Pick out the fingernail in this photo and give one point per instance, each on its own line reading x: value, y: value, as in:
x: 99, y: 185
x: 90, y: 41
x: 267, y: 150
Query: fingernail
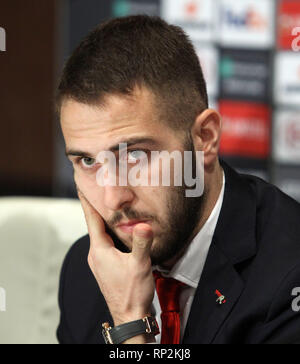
x: 144, y: 231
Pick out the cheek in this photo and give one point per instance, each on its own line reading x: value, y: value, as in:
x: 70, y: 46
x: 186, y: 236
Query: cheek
x: 92, y: 192
x: 154, y: 200
x: 84, y: 182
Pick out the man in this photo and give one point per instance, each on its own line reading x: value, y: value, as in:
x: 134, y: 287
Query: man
x: 222, y: 267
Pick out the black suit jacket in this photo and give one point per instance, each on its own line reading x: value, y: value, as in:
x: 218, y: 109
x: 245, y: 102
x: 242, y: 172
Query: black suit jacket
x: 254, y: 260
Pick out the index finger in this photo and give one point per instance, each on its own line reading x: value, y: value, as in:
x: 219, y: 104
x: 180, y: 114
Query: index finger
x: 95, y: 224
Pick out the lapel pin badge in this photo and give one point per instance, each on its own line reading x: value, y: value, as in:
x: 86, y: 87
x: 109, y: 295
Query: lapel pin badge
x: 221, y: 298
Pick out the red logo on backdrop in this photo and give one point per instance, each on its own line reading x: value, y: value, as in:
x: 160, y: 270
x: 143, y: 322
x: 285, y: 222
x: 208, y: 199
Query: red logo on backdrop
x: 246, y: 129
x: 191, y: 9
x: 256, y: 20
x: 288, y: 19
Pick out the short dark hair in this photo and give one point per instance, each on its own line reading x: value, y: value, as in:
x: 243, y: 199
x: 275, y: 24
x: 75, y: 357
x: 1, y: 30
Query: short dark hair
x: 138, y: 51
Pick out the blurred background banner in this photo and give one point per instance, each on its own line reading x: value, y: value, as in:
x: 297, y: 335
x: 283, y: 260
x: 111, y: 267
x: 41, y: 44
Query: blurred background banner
x: 250, y: 54
x: 249, y: 51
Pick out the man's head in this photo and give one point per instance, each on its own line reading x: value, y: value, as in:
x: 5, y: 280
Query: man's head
x: 140, y: 51
x: 138, y: 80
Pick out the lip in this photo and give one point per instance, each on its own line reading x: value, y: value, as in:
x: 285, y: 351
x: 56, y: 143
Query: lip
x: 128, y: 227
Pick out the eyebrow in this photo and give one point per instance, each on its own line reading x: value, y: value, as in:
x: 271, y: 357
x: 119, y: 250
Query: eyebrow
x: 130, y: 142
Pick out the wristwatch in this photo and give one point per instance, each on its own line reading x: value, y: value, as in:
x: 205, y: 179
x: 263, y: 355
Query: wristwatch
x: 118, y: 334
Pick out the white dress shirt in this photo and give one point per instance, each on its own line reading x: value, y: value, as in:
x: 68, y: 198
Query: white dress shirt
x: 189, y: 267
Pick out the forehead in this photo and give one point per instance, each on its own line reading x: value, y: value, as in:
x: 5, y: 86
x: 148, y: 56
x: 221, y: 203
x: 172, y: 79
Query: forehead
x: 120, y: 117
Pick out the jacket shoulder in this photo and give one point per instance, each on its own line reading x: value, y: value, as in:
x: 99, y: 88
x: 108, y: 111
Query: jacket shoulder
x: 80, y: 299
x: 78, y: 251
x: 276, y: 210
x: 277, y: 231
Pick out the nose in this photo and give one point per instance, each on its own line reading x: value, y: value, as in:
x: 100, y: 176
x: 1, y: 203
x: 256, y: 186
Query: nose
x: 115, y: 197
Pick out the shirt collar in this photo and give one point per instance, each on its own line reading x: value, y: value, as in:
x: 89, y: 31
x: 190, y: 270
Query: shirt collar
x: 189, y: 267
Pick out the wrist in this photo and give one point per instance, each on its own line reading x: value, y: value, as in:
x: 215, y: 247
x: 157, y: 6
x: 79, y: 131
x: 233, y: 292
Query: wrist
x: 125, y: 318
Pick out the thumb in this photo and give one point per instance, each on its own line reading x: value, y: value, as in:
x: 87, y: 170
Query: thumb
x: 142, y: 241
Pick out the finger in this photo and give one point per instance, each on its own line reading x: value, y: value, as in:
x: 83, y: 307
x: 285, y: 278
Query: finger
x: 142, y: 241
x: 95, y: 224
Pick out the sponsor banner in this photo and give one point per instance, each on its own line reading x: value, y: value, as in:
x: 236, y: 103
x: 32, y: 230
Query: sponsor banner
x: 288, y: 20
x: 209, y: 61
x: 287, y: 178
x: 247, y: 23
x: 134, y: 7
x: 245, y: 129
x: 287, y: 78
x: 245, y: 75
x: 286, y: 136
x: 196, y: 17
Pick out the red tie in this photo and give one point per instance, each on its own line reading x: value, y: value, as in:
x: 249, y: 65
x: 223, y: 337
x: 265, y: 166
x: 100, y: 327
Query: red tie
x: 168, y: 291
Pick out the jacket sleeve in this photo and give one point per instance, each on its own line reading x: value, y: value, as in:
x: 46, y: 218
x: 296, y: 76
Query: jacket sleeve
x: 63, y: 333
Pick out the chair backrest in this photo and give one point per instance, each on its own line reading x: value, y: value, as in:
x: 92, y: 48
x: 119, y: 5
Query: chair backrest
x: 35, y: 234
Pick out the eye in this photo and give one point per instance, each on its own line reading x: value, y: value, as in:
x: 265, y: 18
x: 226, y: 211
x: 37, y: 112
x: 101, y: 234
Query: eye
x: 135, y: 155
x: 88, y: 163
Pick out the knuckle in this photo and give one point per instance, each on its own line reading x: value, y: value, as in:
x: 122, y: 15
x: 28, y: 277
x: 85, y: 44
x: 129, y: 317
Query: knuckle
x: 140, y: 269
x: 142, y: 244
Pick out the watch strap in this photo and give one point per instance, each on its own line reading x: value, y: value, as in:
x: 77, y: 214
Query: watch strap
x: 121, y: 333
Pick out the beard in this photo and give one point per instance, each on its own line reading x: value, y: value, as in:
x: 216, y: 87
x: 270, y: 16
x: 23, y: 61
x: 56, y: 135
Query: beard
x: 182, y: 217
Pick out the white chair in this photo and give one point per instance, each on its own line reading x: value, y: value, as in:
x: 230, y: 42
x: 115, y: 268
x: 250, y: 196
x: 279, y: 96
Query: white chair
x: 35, y: 235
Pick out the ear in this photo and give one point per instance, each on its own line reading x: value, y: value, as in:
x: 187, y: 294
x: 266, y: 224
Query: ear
x: 206, y: 134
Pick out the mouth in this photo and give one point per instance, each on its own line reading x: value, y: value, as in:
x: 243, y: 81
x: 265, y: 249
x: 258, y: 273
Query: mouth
x: 127, y: 227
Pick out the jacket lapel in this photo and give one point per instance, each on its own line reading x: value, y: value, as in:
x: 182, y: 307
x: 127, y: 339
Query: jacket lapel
x: 233, y: 243
x: 206, y: 314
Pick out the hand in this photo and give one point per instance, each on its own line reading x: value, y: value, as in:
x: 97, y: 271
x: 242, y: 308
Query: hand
x: 125, y: 279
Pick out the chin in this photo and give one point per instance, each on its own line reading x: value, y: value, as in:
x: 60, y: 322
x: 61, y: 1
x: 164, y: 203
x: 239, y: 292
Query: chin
x: 158, y: 255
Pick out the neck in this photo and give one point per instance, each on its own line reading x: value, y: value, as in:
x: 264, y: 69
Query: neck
x: 212, y: 194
